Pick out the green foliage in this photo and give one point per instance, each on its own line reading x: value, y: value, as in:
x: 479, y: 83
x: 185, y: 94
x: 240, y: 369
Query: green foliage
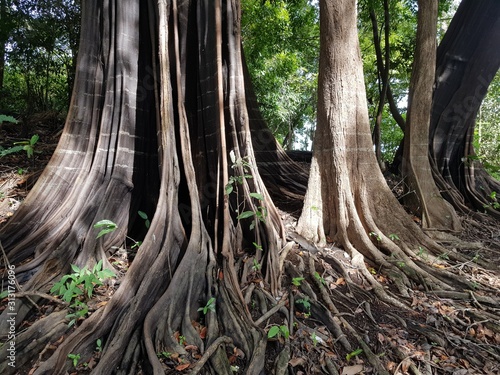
x: 107, y: 227
x: 304, y: 302
x: 278, y: 331
x: 164, y: 354
x: 377, y: 236
x: 25, y: 145
x: 98, y: 344
x: 242, y: 164
x: 394, y: 237
x: 10, y: 119
x: 210, y: 306
x: 281, y: 43
x: 80, y: 283
x: 353, y: 354
x: 487, y: 130
x: 75, y: 358
x: 494, y: 201
x: 318, y: 277
x: 297, y: 281
x: 144, y: 216
x: 256, y: 265
x: 43, y: 41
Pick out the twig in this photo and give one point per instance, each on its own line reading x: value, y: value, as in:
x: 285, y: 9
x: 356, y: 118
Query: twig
x: 272, y: 311
x: 42, y: 295
x: 209, y: 352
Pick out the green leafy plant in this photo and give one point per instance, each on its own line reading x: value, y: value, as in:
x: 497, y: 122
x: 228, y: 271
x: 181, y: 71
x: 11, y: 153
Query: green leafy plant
x: 422, y: 252
x: 182, y: 340
x: 443, y: 256
x: 256, y: 265
x: 278, y: 331
x: 297, y: 281
x: 210, y: 306
x: 314, y: 338
x: 164, y: 354
x: 494, y: 201
x: 304, y: 302
x: 257, y: 246
x: 394, y: 237
x: 260, y: 214
x: 80, y: 310
x: 5, y: 118
x: 98, y: 344
x: 107, y: 227
x: 27, y: 145
x: 80, y: 283
x: 353, y: 354
x: 318, y: 277
x: 377, y: 236
x: 75, y: 358
x: 144, y: 216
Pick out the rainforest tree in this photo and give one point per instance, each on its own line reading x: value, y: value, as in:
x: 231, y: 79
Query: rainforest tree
x: 158, y: 122
x: 163, y: 119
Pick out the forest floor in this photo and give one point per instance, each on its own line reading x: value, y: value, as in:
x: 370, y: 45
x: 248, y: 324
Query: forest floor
x: 442, y: 332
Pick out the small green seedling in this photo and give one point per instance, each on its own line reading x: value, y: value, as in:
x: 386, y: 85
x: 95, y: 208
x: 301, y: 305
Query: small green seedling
x: 318, y: 277
x: 257, y: 246
x: 75, y: 358
x: 107, y: 227
x: 353, y: 354
x: 278, y: 331
x: 164, y: 354
x: 80, y: 311
x: 256, y: 265
x: 98, y: 346
x: 80, y: 284
x: 394, y: 237
x: 304, y: 302
x: 377, y: 236
x: 297, y: 281
x: 210, y: 306
x: 314, y: 338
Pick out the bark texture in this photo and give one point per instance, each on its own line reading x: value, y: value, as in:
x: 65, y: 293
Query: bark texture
x: 359, y: 212
x: 159, y: 123
x: 422, y: 195
x: 467, y: 60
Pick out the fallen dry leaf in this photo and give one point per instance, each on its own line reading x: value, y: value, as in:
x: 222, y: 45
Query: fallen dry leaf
x: 203, y: 332
x: 294, y: 362
x: 352, y: 370
x: 182, y: 367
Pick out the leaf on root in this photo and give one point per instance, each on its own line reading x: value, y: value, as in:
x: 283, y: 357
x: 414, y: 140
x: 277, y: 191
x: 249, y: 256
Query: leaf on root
x: 182, y: 367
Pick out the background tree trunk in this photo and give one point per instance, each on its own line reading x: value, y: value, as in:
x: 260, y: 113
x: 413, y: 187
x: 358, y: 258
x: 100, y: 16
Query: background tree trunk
x: 347, y: 195
x: 467, y: 61
x: 422, y: 195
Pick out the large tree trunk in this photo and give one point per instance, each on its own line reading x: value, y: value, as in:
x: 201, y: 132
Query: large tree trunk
x: 422, y: 195
x: 348, y: 201
x: 159, y: 123
x: 467, y: 60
